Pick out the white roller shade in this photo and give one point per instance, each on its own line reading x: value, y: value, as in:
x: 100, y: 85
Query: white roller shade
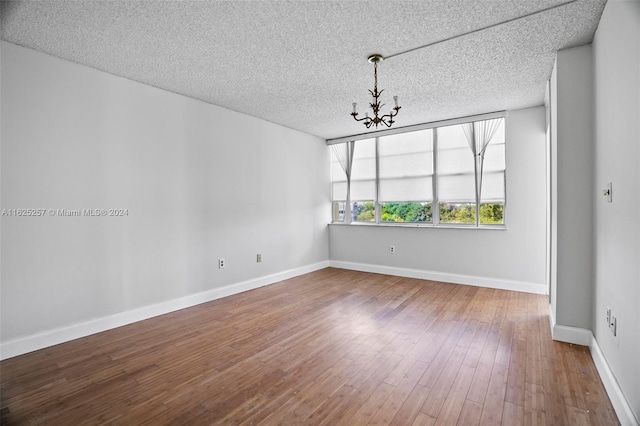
x: 493, y: 168
x: 406, y: 189
x: 339, y: 191
x: 363, y: 172
x: 456, y: 176
x: 492, y: 187
x: 454, y: 161
x: 494, y: 158
x: 406, y: 167
x: 457, y: 188
x: 363, y: 190
x: 338, y: 179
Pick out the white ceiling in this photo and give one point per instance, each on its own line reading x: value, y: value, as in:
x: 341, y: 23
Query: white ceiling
x: 302, y: 63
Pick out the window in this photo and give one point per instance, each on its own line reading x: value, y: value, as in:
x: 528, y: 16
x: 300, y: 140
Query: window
x: 493, y: 180
x: 363, y: 182
x: 456, y: 177
x: 450, y: 175
x: 339, y: 176
x: 405, y: 177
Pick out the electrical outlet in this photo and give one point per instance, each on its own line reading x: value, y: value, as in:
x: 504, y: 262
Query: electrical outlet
x: 258, y: 258
x: 392, y: 249
x: 609, y: 316
x: 220, y: 263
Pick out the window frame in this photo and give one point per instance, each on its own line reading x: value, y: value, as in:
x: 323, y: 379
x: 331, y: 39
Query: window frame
x: 435, y: 202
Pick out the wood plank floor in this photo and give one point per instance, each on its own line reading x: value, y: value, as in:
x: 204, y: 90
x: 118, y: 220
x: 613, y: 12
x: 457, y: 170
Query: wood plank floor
x: 333, y: 347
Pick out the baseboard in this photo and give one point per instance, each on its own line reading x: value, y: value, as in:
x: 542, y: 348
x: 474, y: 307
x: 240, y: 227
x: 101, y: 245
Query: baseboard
x: 567, y: 334
x: 56, y: 336
x: 581, y: 336
x: 575, y: 335
x: 618, y: 400
x: 443, y: 277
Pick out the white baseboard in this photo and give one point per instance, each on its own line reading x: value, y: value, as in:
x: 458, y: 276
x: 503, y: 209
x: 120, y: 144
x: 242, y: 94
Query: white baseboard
x: 618, y: 400
x: 584, y: 337
x: 567, y: 334
x: 443, y: 277
x: 575, y: 335
x: 56, y: 336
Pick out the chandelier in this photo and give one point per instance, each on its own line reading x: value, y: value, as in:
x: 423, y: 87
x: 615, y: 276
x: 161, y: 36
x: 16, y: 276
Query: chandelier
x: 375, y: 105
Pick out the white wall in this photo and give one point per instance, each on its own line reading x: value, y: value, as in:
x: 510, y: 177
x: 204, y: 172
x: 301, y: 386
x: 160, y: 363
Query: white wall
x: 512, y: 258
x: 572, y: 187
x: 617, y: 159
x: 199, y: 182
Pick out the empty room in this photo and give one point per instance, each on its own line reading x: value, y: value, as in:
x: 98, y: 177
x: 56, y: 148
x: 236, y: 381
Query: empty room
x: 320, y: 212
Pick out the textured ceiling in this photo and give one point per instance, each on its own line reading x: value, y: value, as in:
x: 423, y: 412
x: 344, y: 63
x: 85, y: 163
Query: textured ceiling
x: 302, y: 63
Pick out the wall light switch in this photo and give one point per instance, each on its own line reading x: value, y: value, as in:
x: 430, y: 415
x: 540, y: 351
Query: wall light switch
x: 614, y: 325
x: 608, y: 192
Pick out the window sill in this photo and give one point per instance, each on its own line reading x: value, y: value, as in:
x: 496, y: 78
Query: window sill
x: 423, y: 225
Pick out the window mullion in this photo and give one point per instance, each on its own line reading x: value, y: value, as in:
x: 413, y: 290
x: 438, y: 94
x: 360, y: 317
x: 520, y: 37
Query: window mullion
x: 476, y: 171
x: 351, y: 146
x: 435, y: 209
x: 376, y: 203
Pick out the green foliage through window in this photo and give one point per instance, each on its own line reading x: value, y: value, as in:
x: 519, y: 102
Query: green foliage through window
x: 406, y: 212
x: 458, y: 213
x: 490, y: 213
x: 366, y: 211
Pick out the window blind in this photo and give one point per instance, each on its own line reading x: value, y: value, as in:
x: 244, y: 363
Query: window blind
x: 406, y: 167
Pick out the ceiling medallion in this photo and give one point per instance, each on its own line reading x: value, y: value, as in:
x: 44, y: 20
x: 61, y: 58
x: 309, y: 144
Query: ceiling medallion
x: 375, y: 105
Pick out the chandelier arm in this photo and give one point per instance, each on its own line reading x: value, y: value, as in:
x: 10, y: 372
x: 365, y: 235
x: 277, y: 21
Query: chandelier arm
x: 383, y: 119
x: 391, y: 114
x: 360, y: 119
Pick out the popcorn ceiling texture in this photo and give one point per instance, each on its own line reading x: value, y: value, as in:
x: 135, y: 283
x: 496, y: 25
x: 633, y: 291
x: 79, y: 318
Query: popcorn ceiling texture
x: 302, y: 63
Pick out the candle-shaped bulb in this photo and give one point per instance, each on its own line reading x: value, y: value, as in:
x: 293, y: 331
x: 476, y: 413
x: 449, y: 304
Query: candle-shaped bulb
x: 354, y: 107
x: 395, y: 99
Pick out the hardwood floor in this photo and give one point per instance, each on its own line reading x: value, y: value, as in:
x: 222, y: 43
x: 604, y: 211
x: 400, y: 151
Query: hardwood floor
x: 333, y: 347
